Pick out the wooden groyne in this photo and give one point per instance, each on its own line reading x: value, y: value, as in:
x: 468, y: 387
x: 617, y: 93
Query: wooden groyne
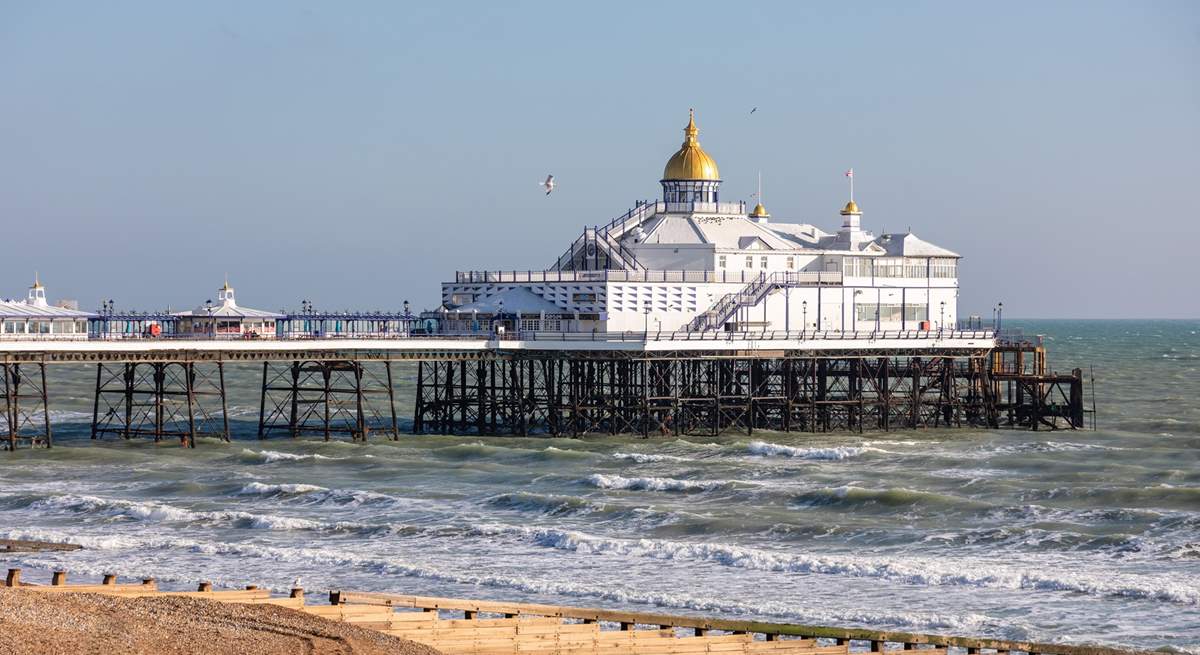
x: 474, y: 627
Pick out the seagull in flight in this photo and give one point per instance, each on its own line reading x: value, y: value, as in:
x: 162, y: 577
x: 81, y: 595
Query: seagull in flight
x: 754, y: 110
x: 549, y: 184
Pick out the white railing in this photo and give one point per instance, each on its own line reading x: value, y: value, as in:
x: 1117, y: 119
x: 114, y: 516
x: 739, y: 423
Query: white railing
x: 729, y: 277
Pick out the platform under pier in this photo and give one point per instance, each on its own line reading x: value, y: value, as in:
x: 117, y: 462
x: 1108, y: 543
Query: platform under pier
x: 569, y: 394
x: 328, y: 398
x: 160, y: 400
x: 25, y: 405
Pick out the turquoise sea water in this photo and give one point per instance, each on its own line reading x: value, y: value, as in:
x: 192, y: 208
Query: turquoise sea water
x: 1065, y: 536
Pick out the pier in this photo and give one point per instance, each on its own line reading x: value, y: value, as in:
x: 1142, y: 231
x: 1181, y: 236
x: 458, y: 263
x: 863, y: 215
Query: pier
x: 554, y: 384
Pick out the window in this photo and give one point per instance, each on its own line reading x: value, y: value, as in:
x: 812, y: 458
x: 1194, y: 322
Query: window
x: 889, y: 267
x: 530, y: 324
x: 749, y: 261
x: 915, y: 313
x: 915, y: 267
x: 858, y: 267
x: 583, y: 297
x: 887, y: 313
x: 721, y: 261
x: 943, y: 268
x: 791, y: 263
x: 763, y: 261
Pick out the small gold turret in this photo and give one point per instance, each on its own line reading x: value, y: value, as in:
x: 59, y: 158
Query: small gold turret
x: 759, y: 212
x: 851, y: 208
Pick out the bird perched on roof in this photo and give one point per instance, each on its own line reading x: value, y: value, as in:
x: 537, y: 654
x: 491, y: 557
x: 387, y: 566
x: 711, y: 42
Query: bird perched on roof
x: 549, y: 184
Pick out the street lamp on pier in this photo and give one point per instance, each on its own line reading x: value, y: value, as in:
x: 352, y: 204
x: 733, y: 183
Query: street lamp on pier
x: 942, y: 322
x: 804, y: 320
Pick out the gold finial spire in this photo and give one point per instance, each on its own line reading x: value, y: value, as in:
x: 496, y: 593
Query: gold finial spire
x: 851, y: 207
x: 37, y: 284
x: 691, y: 162
x: 226, y: 286
x: 759, y: 210
x: 691, y: 131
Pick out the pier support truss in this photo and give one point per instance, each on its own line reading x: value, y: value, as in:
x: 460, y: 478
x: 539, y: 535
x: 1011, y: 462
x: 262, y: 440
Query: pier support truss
x: 328, y: 398
x: 25, y: 405
x: 561, y: 395
x: 162, y: 400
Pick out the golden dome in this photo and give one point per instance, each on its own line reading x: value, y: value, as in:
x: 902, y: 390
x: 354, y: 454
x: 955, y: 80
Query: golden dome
x: 691, y: 162
x: 851, y: 208
x: 759, y: 211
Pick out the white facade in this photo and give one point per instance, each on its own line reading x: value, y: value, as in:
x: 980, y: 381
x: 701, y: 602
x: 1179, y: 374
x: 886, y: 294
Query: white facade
x: 702, y: 265
x: 35, y: 317
x: 226, y: 319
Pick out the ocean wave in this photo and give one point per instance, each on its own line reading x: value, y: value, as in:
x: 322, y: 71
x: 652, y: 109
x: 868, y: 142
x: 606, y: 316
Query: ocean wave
x: 912, y: 570
x: 647, y: 458
x: 548, y: 504
x: 261, y: 489
x: 338, y: 558
x: 608, y: 481
x: 891, y: 497
x: 154, y: 512
x: 834, y: 453
x: 273, y: 456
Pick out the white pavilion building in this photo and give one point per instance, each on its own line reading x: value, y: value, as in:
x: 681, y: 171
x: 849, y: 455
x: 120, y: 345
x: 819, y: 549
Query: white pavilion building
x: 690, y: 262
x: 36, y: 317
x: 227, y: 319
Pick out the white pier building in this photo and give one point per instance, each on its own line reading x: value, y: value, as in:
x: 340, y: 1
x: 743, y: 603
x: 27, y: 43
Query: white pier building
x: 35, y: 317
x: 693, y: 263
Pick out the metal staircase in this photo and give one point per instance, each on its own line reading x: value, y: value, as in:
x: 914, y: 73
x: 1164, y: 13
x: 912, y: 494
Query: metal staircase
x: 601, y: 249
x: 754, y: 292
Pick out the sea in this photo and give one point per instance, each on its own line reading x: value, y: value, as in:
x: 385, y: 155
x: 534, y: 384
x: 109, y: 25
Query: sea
x: 1089, y: 536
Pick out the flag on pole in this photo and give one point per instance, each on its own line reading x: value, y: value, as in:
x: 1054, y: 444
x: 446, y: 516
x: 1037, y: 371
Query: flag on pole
x: 850, y: 173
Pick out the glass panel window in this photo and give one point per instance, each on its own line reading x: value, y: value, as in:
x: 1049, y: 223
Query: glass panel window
x: 763, y: 261
x: 749, y: 261
x: 791, y: 263
x: 721, y: 261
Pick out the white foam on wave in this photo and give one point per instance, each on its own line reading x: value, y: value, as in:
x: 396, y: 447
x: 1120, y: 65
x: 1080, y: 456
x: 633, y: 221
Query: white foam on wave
x: 151, y: 511
x: 646, y: 458
x: 833, y: 453
x: 262, y: 489
x: 272, y: 456
x: 339, y: 558
x: 913, y: 570
x: 648, y: 483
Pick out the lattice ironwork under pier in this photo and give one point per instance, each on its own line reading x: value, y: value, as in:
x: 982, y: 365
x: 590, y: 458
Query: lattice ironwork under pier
x: 328, y: 398
x: 563, y: 395
x: 161, y: 400
x: 26, y: 418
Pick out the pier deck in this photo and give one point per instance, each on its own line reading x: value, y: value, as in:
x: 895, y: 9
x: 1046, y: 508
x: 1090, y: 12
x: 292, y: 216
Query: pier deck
x: 558, y: 384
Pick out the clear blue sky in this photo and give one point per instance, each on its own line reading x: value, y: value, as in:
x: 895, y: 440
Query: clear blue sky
x: 357, y: 153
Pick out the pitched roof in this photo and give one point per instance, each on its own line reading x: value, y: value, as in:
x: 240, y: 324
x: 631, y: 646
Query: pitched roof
x: 23, y: 309
x: 908, y: 245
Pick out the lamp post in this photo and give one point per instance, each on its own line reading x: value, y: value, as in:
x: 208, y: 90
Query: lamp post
x: 407, y: 320
x: 646, y: 324
x: 999, y: 315
x: 500, y: 316
x: 942, y: 322
x: 804, y: 313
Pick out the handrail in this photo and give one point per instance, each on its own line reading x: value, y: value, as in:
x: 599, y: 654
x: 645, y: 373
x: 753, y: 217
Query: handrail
x: 797, y: 278
x: 841, y: 635
x: 533, y: 335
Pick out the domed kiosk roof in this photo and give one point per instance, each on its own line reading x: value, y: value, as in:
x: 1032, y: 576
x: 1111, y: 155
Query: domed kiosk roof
x: 691, y: 162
